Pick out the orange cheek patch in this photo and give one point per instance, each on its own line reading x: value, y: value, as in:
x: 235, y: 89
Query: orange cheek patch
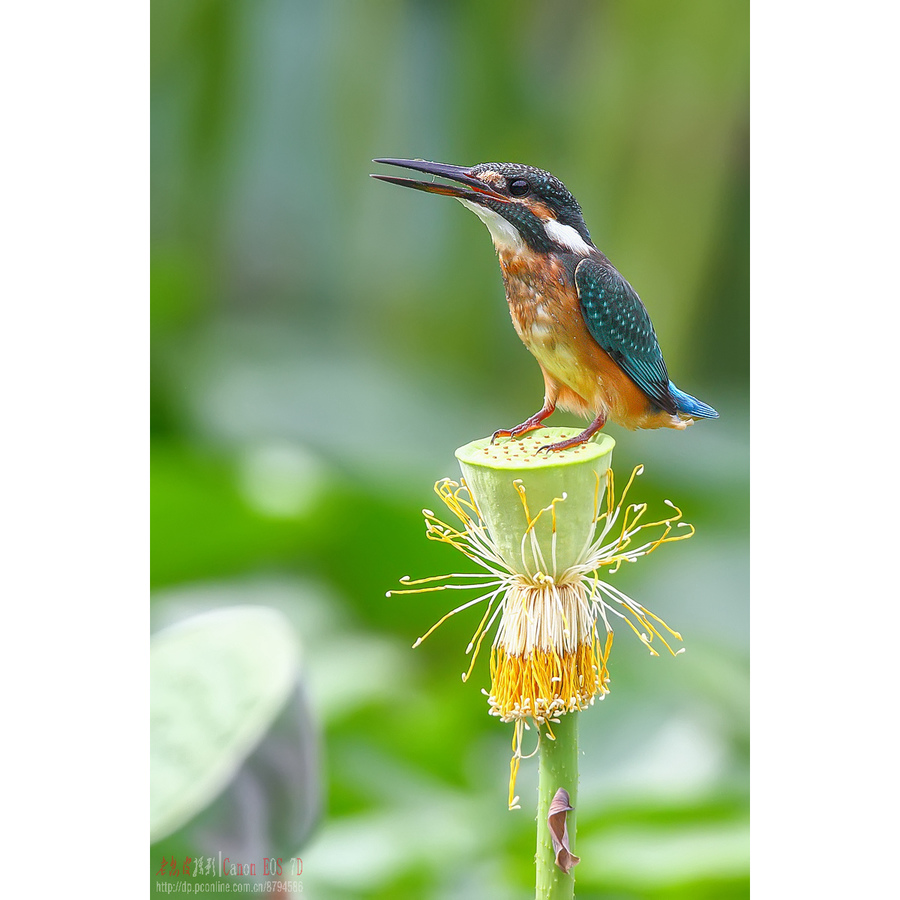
x: 541, y: 210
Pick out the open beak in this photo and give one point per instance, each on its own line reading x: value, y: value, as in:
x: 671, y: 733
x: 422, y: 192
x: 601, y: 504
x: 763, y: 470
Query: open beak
x: 475, y: 189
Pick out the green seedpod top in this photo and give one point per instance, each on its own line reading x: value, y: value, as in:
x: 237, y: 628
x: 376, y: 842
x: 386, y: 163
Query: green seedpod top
x: 508, y: 476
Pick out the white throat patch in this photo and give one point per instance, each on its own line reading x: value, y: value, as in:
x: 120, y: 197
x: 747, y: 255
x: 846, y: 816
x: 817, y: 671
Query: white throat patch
x: 567, y: 236
x: 504, y: 235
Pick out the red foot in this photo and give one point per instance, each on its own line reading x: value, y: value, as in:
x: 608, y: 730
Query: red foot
x: 531, y: 424
x: 582, y: 438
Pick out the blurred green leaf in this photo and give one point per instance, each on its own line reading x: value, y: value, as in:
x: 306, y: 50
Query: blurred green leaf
x: 218, y: 681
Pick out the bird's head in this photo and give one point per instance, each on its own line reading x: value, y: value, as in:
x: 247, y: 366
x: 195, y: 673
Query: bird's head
x: 523, y: 207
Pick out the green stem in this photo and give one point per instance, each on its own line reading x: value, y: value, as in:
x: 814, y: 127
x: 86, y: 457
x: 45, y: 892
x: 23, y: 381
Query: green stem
x: 558, y: 768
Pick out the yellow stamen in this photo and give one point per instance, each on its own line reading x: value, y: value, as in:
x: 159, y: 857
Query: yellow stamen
x: 481, y: 636
x: 545, y: 684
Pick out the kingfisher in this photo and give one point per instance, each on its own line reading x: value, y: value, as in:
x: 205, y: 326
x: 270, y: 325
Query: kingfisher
x: 581, y: 320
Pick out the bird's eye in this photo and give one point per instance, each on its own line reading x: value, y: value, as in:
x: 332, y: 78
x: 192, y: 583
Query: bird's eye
x: 518, y: 188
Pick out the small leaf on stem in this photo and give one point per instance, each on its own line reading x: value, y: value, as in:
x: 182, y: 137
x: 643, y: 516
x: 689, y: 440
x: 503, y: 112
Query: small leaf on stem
x: 559, y: 834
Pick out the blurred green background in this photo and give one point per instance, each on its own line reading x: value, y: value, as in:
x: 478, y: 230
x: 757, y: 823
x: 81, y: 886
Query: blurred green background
x: 321, y: 344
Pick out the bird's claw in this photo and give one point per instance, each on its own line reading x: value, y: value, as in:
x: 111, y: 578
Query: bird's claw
x: 576, y: 441
x: 511, y: 433
x: 531, y: 424
x: 563, y: 445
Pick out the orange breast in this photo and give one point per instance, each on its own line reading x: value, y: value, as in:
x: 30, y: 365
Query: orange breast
x: 544, y: 307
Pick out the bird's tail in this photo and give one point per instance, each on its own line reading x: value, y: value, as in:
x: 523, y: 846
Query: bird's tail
x: 691, y: 406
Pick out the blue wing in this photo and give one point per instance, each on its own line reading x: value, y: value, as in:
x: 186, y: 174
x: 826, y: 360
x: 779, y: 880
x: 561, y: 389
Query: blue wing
x: 619, y: 323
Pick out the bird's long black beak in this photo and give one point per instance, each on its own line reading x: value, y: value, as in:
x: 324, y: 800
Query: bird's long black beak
x: 475, y: 190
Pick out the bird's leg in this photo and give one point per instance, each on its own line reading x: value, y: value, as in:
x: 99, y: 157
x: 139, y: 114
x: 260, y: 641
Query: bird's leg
x: 585, y: 435
x: 528, y: 425
x: 551, y: 392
